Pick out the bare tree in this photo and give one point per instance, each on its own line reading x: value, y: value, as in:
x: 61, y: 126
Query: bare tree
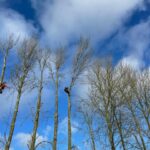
x: 88, y: 115
x: 120, y: 95
x: 103, y: 84
x: 42, y: 58
x: 5, y: 47
x: 80, y: 61
x: 104, y: 80
x: 143, y: 96
x: 127, y: 89
x: 26, y: 57
x: 121, y: 116
x: 55, y: 65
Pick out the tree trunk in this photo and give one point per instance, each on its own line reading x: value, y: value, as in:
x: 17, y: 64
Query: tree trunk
x: 138, y: 143
x: 92, y: 138
x: 38, y: 108
x: 137, y: 126
x: 119, y: 126
x: 69, y: 123
x: 8, y: 143
x: 111, y: 139
x: 4, y: 68
x: 56, y: 115
x: 143, y: 110
x: 110, y: 132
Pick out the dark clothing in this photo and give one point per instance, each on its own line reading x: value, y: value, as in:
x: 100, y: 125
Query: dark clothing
x: 67, y: 90
x: 2, y: 87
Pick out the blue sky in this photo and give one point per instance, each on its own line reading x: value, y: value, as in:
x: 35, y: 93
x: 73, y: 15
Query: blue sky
x: 118, y: 27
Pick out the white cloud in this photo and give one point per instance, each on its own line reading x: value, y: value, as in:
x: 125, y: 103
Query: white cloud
x: 63, y: 126
x: 63, y: 20
x: 14, y: 23
x: 132, y: 62
x: 137, y: 41
x: 23, y: 139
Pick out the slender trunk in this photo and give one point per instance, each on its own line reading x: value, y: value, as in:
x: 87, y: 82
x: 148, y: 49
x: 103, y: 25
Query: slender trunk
x: 110, y: 132
x: 56, y: 115
x: 38, y: 108
x: 12, y: 127
x: 137, y: 126
x: 69, y: 123
x: 147, y: 121
x: 3, y: 68
x: 144, y: 114
x: 111, y: 138
x: 136, y: 122
x: 119, y: 126
x: 92, y: 138
x: 137, y: 141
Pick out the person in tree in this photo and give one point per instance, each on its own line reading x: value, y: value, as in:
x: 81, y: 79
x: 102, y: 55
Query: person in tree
x: 66, y: 89
x: 2, y: 87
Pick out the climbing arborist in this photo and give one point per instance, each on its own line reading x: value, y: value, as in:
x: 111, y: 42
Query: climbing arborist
x: 2, y: 87
x: 66, y: 89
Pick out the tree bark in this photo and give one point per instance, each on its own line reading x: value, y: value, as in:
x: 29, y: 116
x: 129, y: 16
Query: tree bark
x: 137, y: 126
x: 143, y: 110
x: 110, y: 132
x: 56, y: 115
x: 3, y: 69
x: 36, y: 121
x: 69, y: 123
x: 119, y: 126
x: 4, y: 65
x: 8, y: 143
x: 92, y: 138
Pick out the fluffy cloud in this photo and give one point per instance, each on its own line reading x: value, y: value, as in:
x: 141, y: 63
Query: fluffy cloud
x: 132, y: 62
x: 14, y: 23
x: 63, y: 127
x: 23, y: 139
x: 63, y: 20
x: 137, y: 44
